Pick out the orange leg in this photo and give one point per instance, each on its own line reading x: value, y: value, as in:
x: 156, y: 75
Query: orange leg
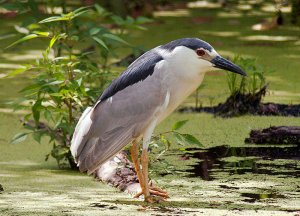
x: 148, y: 189
x: 135, y: 160
x: 144, y: 159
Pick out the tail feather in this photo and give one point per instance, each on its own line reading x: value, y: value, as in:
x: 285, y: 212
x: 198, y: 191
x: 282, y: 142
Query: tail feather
x: 81, y: 130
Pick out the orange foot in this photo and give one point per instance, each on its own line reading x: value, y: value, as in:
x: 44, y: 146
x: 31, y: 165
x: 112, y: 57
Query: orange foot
x: 156, y: 194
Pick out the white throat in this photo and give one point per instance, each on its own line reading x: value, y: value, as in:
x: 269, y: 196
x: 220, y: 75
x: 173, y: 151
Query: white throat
x: 183, y: 73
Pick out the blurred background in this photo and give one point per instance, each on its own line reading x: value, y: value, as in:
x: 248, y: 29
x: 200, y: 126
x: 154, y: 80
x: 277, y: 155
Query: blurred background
x: 56, y: 58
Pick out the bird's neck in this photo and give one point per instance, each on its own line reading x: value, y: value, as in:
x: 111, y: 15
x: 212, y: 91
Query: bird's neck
x: 179, y: 90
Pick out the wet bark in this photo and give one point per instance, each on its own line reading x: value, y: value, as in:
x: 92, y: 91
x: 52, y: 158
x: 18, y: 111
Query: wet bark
x: 275, y: 135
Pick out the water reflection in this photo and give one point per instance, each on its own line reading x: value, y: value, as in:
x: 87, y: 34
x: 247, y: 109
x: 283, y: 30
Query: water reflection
x: 281, y: 161
x: 253, y: 197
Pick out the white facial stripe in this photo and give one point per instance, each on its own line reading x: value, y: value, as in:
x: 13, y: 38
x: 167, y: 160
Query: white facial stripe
x: 213, y: 53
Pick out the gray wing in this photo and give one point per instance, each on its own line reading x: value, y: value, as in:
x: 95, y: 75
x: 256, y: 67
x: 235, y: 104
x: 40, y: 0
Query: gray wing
x: 106, y: 128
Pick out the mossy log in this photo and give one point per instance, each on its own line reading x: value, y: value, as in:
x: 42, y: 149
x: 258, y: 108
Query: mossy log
x: 275, y: 135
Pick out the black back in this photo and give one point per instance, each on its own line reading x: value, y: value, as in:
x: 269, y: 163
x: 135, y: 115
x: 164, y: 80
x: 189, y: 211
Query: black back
x: 139, y: 70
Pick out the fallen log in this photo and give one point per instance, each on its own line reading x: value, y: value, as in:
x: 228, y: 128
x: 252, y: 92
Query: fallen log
x: 119, y: 172
x: 275, y: 135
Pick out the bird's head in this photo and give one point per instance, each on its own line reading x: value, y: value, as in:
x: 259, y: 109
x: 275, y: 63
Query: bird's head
x: 199, y: 54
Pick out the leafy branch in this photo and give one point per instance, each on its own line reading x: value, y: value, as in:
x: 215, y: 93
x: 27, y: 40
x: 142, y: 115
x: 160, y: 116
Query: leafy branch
x: 67, y: 78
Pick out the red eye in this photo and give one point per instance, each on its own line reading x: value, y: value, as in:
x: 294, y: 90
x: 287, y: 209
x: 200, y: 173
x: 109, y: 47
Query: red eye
x: 200, y: 52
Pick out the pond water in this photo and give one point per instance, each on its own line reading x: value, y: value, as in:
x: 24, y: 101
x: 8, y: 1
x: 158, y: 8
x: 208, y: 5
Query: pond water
x: 266, y: 160
x: 253, y: 197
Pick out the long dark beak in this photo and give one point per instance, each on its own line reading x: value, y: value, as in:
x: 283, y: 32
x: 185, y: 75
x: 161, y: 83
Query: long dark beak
x: 222, y: 63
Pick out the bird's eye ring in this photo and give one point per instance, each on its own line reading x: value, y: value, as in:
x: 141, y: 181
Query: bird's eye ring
x: 200, y: 52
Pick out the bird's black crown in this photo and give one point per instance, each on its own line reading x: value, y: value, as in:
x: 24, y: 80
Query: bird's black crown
x: 192, y: 43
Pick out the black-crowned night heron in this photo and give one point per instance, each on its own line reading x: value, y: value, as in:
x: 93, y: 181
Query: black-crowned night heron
x: 140, y: 98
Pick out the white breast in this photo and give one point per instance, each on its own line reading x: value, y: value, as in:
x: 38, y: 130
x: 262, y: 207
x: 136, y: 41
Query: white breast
x: 181, y: 74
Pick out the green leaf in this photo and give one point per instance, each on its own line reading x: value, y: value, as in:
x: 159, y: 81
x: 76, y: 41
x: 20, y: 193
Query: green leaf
x: 27, y: 37
x: 27, y: 117
x: 47, y: 115
x: 52, y: 41
x: 183, y: 139
x: 115, y: 38
x: 57, y: 82
x: 79, y: 81
x: 101, y: 42
x: 37, y: 136
x: 100, y: 10
x: 141, y: 20
x: 44, y: 34
x: 179, y: 124
x: 94, y: 31
x: 36, y: 110
x: 20, y: 137
x: 54, y: 19
x: 18, y: 71
x: 81, y: 9
x: 79, y: 13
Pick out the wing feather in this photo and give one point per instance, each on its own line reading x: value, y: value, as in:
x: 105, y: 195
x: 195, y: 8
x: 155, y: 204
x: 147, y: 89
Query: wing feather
x: 116, y: 121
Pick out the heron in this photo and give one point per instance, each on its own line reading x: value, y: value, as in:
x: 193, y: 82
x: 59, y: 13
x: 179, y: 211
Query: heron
x: 130, y: 108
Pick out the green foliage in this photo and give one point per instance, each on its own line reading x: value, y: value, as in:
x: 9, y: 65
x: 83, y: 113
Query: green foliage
x: 68, y: 77
x: 166, y: 138
x: 179, y: 125
x: 250, y: 84
x: 163, y: 141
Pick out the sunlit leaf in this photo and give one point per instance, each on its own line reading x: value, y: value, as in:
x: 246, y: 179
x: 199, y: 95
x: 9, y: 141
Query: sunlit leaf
x: 54, y: 19
x: 79, y: 13
x: 187, y: 139
x: 45, y: 34
x: 79, y: 10
x: 57, y: 82
x: 27, y: 37
x: 101, y: 42
x: 20, y: 137
x: 115, y: 38
x: 52, y: 41
x: 179, y: 124
x: 94, y: 31
x: 192, y: 140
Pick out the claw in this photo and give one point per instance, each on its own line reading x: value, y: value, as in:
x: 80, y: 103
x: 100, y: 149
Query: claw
x: 155, y: 193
